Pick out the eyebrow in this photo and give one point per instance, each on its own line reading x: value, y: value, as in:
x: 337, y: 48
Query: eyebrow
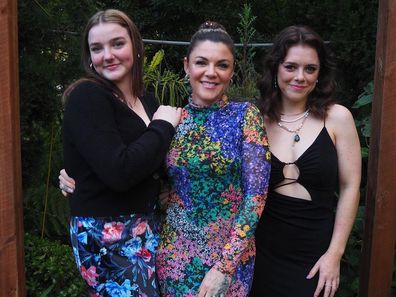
x: 206, y: 59
x: 293, y: 63
x: 111, y: 40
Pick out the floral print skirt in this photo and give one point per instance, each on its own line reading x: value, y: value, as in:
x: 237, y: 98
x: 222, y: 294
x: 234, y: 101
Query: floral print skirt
x: 116, y: 255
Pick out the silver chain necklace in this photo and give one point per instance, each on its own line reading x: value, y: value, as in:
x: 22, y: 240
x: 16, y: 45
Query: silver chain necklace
x: 296, y: 132
x: 296, y: 119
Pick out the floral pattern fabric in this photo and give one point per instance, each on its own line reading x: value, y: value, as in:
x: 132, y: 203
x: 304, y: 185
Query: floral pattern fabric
x: 218, y: 166
x: 116, y: 255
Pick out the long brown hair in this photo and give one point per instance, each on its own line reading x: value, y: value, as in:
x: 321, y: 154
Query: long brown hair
x: 116, y: 17
x: 321, y: 97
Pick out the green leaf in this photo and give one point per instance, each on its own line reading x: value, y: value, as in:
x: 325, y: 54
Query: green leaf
x: 365, y: 152
x: 363, y: 100
x: 47, y: 291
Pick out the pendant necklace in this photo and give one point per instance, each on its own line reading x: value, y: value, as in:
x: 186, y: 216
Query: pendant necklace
x: 296, y: 131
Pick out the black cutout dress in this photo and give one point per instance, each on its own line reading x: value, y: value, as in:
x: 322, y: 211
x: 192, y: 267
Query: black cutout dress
x: 294, y: 233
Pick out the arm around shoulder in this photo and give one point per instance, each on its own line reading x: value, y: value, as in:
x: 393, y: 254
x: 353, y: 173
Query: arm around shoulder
x: 90, y: 126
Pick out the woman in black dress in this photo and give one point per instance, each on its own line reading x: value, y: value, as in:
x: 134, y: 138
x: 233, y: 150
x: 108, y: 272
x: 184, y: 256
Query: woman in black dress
x: 316, y: 166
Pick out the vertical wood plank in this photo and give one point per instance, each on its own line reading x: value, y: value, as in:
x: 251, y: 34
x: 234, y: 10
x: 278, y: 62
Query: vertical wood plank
x: 380, y: 221
x: 12, y: 277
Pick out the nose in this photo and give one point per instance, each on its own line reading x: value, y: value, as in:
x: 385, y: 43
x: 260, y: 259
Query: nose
x: 210, y: 71
x: 300, y: 74
x: 108, y: 55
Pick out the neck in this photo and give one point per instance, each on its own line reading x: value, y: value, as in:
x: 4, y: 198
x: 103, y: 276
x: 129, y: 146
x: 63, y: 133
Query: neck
x: 204, y: 103
x: 293, y: 109
x: 126, y: 89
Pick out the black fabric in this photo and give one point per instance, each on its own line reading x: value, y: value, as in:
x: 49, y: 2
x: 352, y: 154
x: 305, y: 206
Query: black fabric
x: 318, y: 170
x: 294, y: 233
x: 113, y: 156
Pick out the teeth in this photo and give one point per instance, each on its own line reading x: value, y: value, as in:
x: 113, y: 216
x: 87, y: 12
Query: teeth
x: 209, y: 84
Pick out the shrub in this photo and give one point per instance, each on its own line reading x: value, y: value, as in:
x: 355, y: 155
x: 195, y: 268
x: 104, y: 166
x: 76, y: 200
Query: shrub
x: 50, y: 269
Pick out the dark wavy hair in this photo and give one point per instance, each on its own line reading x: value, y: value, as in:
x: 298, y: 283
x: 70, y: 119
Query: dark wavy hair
x: 321, y: 97
x: 115, y: 17
x: 211, y: 31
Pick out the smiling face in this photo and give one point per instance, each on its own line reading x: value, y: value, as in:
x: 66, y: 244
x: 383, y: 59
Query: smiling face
x: 111, y: 52
x: 210, y: 66
x: 298, y: 73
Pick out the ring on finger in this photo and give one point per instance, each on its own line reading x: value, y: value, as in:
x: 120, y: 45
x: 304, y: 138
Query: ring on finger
x: 64, y: 188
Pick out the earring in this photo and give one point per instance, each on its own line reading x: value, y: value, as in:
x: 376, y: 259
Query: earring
x: 138, y: 55
x: 187, y: 78
x: 90, y: 63
x: 275, y: 82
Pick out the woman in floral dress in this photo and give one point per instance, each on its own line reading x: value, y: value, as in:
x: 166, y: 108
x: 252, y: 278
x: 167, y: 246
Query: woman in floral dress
x: 218, y: 166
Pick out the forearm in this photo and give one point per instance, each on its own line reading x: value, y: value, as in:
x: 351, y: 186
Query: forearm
x: 345, y: 217
x: 241, y: 235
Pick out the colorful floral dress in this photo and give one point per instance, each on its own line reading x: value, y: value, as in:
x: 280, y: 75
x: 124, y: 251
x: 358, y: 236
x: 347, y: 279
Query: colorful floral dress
x: 218, y: 165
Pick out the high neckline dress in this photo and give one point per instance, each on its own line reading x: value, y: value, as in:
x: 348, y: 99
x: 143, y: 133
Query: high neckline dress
x: 218, y: 166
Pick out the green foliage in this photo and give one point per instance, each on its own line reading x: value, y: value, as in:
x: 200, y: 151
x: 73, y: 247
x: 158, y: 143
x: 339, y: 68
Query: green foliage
x: 363, y: 120
x: 244, y: 86
x: 56, y: 215
x: 42, y: 198
x: 50, y: 269
x: 168, y: 87
x: 349, y: 282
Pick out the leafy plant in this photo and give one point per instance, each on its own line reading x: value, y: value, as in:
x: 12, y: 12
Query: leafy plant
x: 244, y: 87
x: 350, y: 261
x: 50, y: 269
x: 363, y: 122
x: 168, y: 87
x: 45, y: 210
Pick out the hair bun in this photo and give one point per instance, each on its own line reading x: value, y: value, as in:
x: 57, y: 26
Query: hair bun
x: 211, y: 26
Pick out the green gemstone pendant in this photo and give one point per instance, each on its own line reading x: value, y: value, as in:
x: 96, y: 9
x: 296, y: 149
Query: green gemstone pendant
x: 296, y: 138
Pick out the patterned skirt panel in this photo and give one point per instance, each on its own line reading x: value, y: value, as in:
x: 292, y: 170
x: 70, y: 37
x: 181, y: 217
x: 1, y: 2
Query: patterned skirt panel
x: 116, y: 255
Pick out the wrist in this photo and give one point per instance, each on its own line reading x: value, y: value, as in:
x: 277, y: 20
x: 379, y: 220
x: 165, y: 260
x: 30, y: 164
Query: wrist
x: 336, y: 252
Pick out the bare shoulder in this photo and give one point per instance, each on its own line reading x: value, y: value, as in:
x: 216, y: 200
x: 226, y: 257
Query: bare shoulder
x: 338, y: 114
x: 339, y: 122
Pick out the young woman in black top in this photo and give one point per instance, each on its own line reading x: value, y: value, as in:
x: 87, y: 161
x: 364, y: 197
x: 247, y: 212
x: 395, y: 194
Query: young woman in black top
x: 115, y: 139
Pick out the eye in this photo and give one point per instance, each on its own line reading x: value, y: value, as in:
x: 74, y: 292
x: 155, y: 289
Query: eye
x: 95, y: 49
x: 224, y: 66
x: 311, y: 69
x: 118, y: 44
x: 289, y: 67
x: 200, y: 63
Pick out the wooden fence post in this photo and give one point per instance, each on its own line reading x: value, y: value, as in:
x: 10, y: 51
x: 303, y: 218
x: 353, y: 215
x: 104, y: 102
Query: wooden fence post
x: 380, y: 221
x: 12, y: 276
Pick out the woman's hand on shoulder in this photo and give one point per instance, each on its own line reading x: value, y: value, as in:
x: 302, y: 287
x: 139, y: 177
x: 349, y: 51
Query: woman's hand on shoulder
x: 169, y: 114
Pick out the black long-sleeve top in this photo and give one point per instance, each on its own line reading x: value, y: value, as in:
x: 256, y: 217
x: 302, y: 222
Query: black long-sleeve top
x: 113, y: 156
